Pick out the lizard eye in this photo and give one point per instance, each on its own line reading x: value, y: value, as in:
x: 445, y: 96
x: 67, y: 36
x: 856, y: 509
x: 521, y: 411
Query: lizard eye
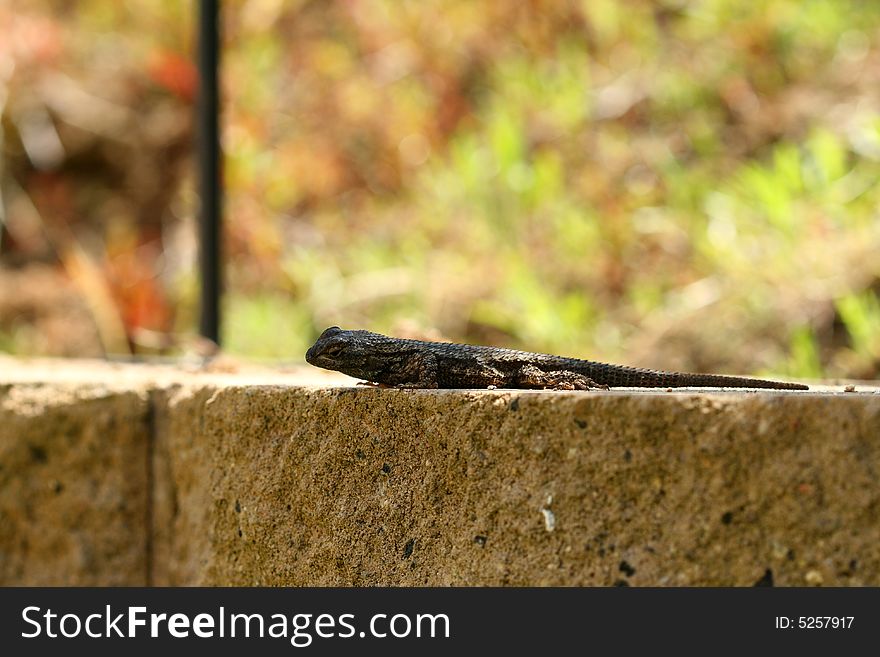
x: 333, y: 350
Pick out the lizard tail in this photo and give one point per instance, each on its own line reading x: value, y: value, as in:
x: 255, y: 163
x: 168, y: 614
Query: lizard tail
x: 635, y: 377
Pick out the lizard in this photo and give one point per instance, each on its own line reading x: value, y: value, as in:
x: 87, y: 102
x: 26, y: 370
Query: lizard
x: 405, y: 363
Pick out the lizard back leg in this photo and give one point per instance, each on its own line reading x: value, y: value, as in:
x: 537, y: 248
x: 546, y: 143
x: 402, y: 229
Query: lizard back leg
x: 534, y: 377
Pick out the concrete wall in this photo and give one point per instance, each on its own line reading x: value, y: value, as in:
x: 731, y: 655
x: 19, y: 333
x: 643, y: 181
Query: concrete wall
x: 134, y: 475
x: 74, y: 485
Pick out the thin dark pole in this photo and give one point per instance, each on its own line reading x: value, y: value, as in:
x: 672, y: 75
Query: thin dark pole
x: 209, y: 164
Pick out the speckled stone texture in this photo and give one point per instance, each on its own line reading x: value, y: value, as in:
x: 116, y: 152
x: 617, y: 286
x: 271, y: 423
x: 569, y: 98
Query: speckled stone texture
x: 383, y: 487
x: 74, y: 486
x: 178, y: 478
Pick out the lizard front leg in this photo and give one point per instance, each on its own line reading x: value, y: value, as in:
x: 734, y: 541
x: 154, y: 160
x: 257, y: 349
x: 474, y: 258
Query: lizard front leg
x: 530, y: 376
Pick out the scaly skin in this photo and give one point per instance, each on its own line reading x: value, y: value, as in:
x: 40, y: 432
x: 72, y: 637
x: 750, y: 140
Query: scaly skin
x: 416, y: 364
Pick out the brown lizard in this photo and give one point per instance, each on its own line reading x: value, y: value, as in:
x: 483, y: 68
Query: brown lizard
x: 404, y: 363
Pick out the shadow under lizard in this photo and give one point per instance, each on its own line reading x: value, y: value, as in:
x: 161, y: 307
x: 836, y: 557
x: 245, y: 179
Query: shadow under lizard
x: 404, y: 363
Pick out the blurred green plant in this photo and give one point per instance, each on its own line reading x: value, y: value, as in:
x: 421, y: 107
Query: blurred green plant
x: 804, y: 360
x: 664, y: 182
x: 860, y: 314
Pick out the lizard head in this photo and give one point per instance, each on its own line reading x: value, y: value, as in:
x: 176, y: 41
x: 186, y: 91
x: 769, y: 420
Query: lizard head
x: 329, y: 345
x: 350, y: 352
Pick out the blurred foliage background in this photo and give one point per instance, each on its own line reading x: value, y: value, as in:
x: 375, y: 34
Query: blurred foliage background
x: 688, y: 184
